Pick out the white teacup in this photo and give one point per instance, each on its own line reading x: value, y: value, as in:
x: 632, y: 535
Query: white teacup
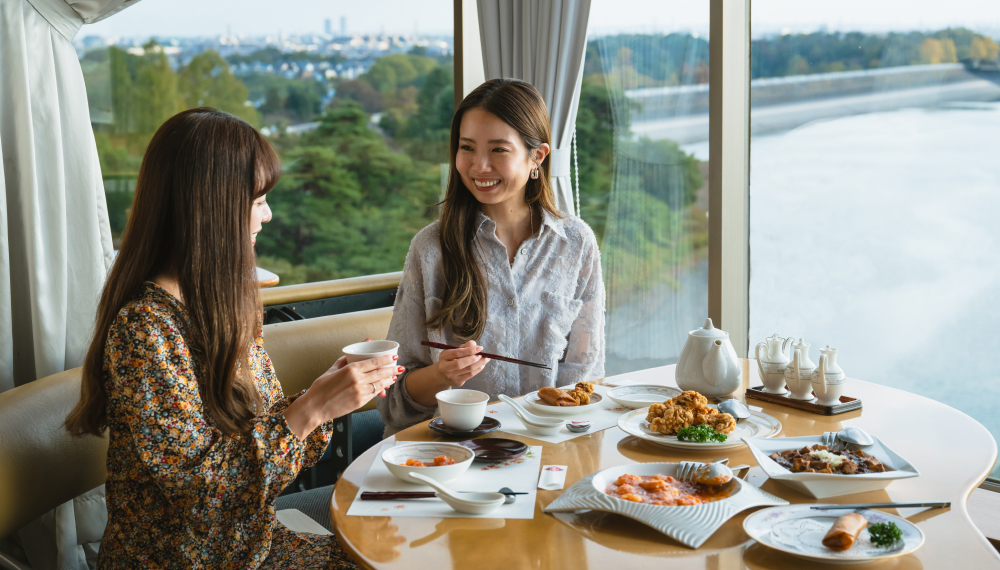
x: 461, y: 409
x: 371, y: 349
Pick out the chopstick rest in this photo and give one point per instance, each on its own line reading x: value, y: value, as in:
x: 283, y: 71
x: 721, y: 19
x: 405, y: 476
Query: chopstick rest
x: 553, y: 477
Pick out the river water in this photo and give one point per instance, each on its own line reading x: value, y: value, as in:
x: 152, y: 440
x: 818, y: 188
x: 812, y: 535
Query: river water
x: 878, y: 234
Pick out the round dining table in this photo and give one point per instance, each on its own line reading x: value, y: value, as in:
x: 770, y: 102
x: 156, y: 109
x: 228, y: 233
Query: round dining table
x: 952, y: 451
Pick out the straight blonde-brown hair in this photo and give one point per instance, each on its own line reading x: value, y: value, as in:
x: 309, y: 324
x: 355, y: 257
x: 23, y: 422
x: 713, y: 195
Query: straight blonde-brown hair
x: 190, y: 218
x: 464, y: 302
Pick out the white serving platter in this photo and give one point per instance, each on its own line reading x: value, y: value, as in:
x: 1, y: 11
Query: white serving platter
x: 547, y: 410
x: 642, y: 396
x: 823, y: 485
x: 690, y: 525
x: 799, y: 531
x: 758, y: 425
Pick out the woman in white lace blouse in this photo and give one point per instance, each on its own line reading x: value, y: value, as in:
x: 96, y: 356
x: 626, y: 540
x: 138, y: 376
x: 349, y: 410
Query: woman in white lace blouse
x: 501, y: 266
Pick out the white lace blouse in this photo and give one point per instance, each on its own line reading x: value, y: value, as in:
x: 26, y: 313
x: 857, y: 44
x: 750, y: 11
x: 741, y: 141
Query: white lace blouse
x: 546, y: 307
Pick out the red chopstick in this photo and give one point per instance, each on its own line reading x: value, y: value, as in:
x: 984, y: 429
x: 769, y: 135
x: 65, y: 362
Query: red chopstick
x: 486, y: 354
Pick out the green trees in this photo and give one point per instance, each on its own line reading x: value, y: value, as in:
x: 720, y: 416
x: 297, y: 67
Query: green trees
x: 347, y: 204
x: 207, y: 82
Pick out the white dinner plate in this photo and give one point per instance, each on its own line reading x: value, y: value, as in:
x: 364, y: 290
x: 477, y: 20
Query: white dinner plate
x: 547, y: 410
x: 690, y: 525
x: 799, y: 531
x: 642, y: 396
x: 758, y: 425
x: 824, y: 485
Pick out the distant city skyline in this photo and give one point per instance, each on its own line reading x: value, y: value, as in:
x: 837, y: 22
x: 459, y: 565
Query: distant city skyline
x: 434, y: 17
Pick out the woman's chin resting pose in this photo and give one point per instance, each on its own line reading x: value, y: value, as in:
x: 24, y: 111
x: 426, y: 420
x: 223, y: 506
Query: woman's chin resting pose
x: 501, y: 269
x: 201, y: 438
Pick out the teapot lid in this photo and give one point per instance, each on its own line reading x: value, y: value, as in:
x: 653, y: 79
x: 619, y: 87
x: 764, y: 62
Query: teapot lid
x: 709, y: 331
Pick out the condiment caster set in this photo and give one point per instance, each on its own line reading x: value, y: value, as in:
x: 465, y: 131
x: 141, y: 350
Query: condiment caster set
x: 782, y: 363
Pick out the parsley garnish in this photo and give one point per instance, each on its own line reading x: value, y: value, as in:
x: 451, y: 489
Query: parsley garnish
x: 700, y: 433
x: 885, y: 534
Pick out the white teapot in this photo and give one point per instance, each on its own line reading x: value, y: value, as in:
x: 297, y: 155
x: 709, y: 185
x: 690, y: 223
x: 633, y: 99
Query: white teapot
x: 708, y: 363
x: 774, y: 361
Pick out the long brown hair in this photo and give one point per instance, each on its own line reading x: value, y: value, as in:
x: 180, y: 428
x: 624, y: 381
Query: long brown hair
x: 190, y: 218
x: 464, y: 303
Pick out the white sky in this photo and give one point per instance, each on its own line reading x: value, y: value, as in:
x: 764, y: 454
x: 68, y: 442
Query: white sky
x: 255, y: 17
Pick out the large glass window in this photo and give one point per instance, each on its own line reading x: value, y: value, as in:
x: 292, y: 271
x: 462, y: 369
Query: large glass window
x: 642, y: 134
x: 874, y: 184
x: 357, y: 100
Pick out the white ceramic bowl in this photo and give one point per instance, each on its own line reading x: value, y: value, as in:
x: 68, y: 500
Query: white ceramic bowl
x: 426, y: 452
x: 642, y: 396
x: 370, y: 349
x: 462, y: 410
x: 823, y: 485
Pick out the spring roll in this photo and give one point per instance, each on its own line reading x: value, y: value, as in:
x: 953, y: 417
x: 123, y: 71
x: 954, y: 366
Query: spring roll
x: 844, y: 531
x: 556, y: 397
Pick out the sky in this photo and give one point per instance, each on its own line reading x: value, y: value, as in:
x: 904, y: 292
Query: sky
x: 259, y: 17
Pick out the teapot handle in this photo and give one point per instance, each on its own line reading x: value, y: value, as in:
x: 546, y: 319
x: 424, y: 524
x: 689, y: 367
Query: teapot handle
x: 786, y: 346
x: 760, y: 366
x: 821, y: 369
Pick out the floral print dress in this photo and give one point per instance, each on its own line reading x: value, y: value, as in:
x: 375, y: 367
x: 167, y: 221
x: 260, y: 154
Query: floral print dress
x: 180, y: 493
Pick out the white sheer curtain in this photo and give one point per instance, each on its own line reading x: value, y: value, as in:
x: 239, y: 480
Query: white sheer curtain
x: 543, y: 43
x: 56, y: 245
x: 55, y: 240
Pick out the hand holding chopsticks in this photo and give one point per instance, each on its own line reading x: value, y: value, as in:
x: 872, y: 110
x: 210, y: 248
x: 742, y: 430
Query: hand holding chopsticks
x: 487, y: 355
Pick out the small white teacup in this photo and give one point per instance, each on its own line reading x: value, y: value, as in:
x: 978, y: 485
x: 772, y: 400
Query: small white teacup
x: 370, y: 349
x: 462, y: 409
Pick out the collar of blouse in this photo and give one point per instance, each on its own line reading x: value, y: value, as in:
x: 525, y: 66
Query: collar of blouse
x: 548, y: 221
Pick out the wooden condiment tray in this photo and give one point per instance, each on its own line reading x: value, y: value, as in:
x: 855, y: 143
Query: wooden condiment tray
x: 847, y: 403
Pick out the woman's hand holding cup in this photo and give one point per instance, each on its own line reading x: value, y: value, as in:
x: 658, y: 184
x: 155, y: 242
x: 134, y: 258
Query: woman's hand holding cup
x: 456, y: 366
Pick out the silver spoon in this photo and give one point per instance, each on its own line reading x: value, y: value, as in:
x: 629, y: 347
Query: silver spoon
x: 704, y: 473
x: 838, y: 440
x: 735, y: 408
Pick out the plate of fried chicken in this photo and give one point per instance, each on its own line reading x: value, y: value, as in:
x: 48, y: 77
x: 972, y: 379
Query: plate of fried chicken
x: 660, y: 423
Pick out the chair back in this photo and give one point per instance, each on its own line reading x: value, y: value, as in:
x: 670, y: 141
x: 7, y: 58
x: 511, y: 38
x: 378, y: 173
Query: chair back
x: 42, y: 466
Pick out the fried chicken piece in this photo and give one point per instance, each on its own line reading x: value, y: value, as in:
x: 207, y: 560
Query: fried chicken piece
x: 688, y: 399
x: 722, y: 423
x: 582, y: 397
x: 587, y: 387
x: 656, y: 411
x: 673, y: 419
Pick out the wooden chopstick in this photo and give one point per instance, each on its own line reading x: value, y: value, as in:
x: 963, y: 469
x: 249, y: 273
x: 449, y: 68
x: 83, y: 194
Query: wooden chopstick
x: 486, y: 354
x: 883, y: 506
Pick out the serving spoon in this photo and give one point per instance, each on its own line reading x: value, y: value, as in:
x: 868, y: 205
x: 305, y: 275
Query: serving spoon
x: 735, y: 408
x: 838, y: 440
x: 471, y: 503
x: 714, y: 473
x: 529, y: 417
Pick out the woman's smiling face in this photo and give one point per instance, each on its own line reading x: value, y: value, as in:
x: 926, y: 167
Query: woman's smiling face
x: 492, y: 159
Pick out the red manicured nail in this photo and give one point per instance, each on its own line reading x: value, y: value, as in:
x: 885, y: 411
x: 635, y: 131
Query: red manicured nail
x: 400, y: 369
x: 394, y: 357
x: 393, y: 378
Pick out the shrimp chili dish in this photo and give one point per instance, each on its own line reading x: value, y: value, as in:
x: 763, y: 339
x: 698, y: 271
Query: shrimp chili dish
x: 665, y: 491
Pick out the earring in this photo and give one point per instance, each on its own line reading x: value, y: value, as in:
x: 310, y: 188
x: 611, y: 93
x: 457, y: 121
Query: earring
x: 534, y: 174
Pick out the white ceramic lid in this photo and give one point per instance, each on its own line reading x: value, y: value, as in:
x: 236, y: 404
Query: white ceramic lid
x: 709, y: 331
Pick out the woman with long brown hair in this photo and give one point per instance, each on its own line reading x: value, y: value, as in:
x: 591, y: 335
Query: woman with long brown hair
x: 500, y: 268
x: 201, y: 438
